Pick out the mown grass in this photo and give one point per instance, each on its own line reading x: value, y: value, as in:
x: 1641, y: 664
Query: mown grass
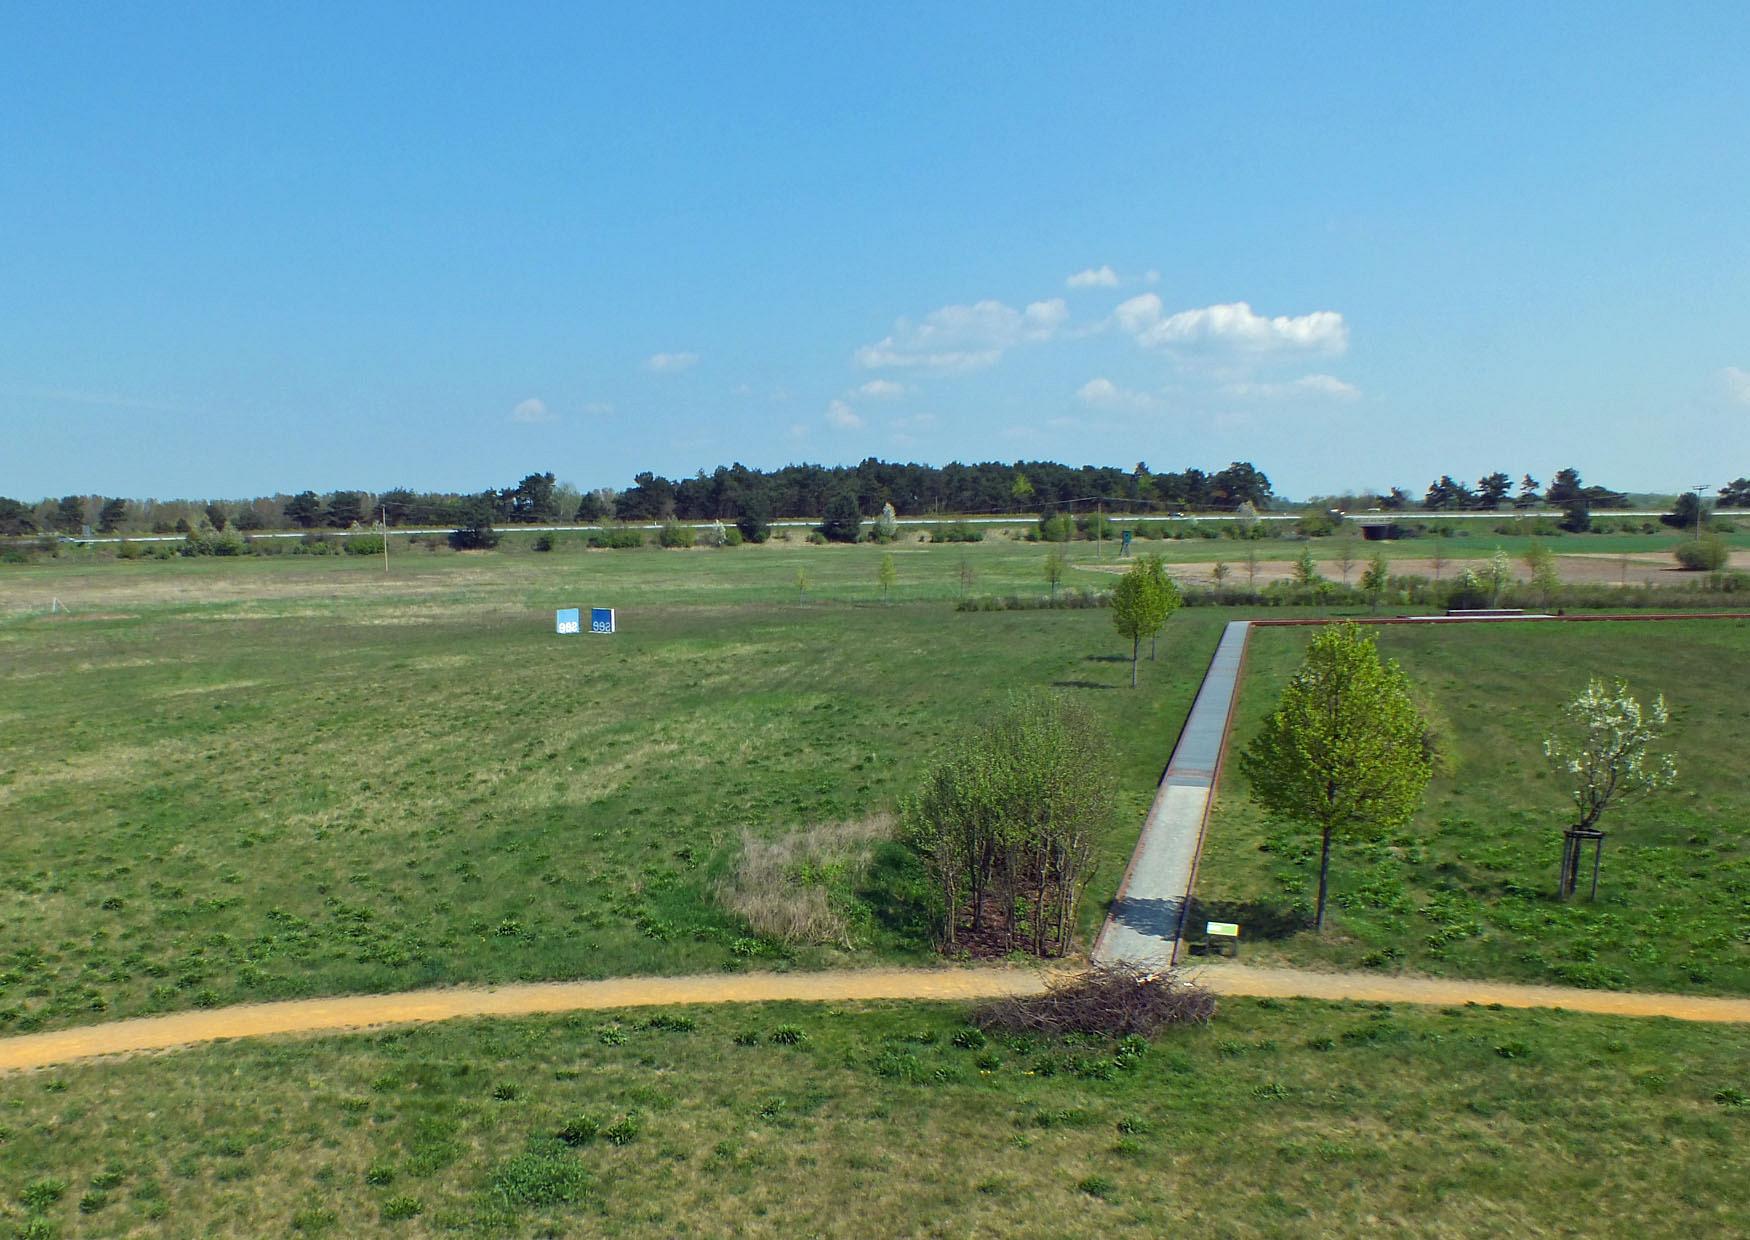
x: 256, y: 779
x: 1281, y: 1118
x: 1467, y: 888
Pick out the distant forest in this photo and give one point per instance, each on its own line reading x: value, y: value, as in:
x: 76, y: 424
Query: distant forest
x: 735, y: 491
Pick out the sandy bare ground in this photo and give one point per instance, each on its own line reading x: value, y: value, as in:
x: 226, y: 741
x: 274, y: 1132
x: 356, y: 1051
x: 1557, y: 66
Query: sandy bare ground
x: 353, y: 1012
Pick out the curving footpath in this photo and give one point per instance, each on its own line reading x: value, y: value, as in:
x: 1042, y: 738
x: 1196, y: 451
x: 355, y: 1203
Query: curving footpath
x: 354, y: 1012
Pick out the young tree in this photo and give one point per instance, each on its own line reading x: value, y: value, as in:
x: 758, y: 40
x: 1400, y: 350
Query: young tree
x: 1054, y: 566
x: 1437, y: 558
x: 1251, y: 566
x: 801, y: 586
x: 1500, y: 576
x: 1374, y: 579
x: 887, y: 575
x: 966, y: 576
x: 1540, y: 562
x: 1306, y: 570
x: 1219, y: 573
x: 1167, y: 596
x: 1605, y: 750
x: 1345, y: 751
x: 1138, y: 610
x: 1346, y: 555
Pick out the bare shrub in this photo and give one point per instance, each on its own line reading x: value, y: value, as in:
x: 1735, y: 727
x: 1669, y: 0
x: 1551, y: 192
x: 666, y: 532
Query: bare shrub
x: 801, y: 887
x: 1114, y: 1000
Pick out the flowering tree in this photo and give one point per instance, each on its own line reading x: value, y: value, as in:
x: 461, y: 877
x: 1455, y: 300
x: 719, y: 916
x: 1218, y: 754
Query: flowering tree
x: 1500, y: 576
x: 1606, y: 753
x: 887, y: 524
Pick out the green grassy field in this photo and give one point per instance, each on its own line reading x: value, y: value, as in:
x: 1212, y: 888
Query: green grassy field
x: 1280, y: 1119
x: 1467, y: 889
x: 261, y: 778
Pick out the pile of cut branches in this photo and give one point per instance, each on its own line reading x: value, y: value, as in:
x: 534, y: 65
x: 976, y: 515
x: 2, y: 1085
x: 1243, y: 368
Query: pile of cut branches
x: 1115, y: 1000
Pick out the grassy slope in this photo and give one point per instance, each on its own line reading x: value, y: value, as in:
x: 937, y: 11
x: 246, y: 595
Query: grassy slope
x: 1281, y: 1119
x: 1466, y: 889
x: 323, y: 781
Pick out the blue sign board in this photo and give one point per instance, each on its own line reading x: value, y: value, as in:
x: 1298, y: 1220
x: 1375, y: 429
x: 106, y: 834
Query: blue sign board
x: 567, y: 620
x: 601, y: 619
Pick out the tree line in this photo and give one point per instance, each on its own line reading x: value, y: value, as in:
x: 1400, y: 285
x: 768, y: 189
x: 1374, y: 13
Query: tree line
x: 728, y: 493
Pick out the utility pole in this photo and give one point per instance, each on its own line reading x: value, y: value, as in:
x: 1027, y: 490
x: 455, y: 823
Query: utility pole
x: 385, y: 511
x: 1698, y: 489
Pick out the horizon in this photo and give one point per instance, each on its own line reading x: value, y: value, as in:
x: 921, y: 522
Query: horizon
x: 249, y: 252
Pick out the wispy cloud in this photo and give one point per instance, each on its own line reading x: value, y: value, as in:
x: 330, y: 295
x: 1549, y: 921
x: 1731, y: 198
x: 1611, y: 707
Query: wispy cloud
x: 964, y: 337
x: 841, y: 416
x: 1232, y: 327
x: 1737, y: 384
x: 668, y: 363
x: 1103, y: 393
x: 598, y: 408
x: 1307, y: 385
x: 532, y: 411
x: 1093, y: 277
x: 882, y: 389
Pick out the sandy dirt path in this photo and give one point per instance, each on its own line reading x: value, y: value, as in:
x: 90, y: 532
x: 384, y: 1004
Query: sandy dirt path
x: 352, y: 1012
x: 1239, y: 979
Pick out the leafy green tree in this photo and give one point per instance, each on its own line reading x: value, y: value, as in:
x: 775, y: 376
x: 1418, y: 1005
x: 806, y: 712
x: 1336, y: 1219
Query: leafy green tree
x: 1306, y: 569
x: 217, y: 515
x: 1054, y: 566
x: 1492, y: 490
x: 1345, y: 752
x: 1710, y: 553
x: 843, y: 520
x: 1735, y: 494
x: 1686, y: 513
x: 887, y: 575
x: 111, y: 515
x: 1540, y: 563
x: 1138, y: 610
x: 1219, y: 573
x: 1167, y: 596
x: 966, y: 576
x: 1374, y: 579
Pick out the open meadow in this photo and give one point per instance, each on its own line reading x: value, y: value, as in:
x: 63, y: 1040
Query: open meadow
x: 1279, y: 1119
x: 1468, y: 887
x: 250, y: 779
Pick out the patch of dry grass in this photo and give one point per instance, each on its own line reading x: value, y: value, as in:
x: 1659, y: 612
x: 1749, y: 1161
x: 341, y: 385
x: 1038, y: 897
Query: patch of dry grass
x: 801, y: 886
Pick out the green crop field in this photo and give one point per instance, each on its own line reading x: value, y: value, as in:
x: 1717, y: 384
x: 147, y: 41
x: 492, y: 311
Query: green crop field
x: 1281, y: 1118
x: 236, y: 780
x: 1468, y: 887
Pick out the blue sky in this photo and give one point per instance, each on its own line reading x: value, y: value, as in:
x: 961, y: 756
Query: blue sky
x: 247, y: 248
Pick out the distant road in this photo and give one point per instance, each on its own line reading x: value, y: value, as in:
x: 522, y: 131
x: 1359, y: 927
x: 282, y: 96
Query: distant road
x: 799, y: 523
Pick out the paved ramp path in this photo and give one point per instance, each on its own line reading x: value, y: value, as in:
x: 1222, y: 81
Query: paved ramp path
x: 1146, y: 920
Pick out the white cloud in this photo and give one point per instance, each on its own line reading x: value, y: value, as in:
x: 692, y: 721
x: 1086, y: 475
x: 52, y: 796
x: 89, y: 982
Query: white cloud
x: 1151, y: 276
x: 1107, y: 394
x: 1094, y: 277
x: 1306, y: 385
x: 668, y: 363
x: 964, y: 337
x: 882, y: 389
x: 598, y: 408
x: 532, y: 411
x: 1232, y: 326
x: 1737, y: 383
x: 842, y: 417
x: 916, y: 422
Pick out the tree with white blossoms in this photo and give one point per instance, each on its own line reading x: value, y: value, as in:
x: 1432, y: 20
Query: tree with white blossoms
x: 1605, y: 750
x: 1500, y: 576
x: 887, y: 524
